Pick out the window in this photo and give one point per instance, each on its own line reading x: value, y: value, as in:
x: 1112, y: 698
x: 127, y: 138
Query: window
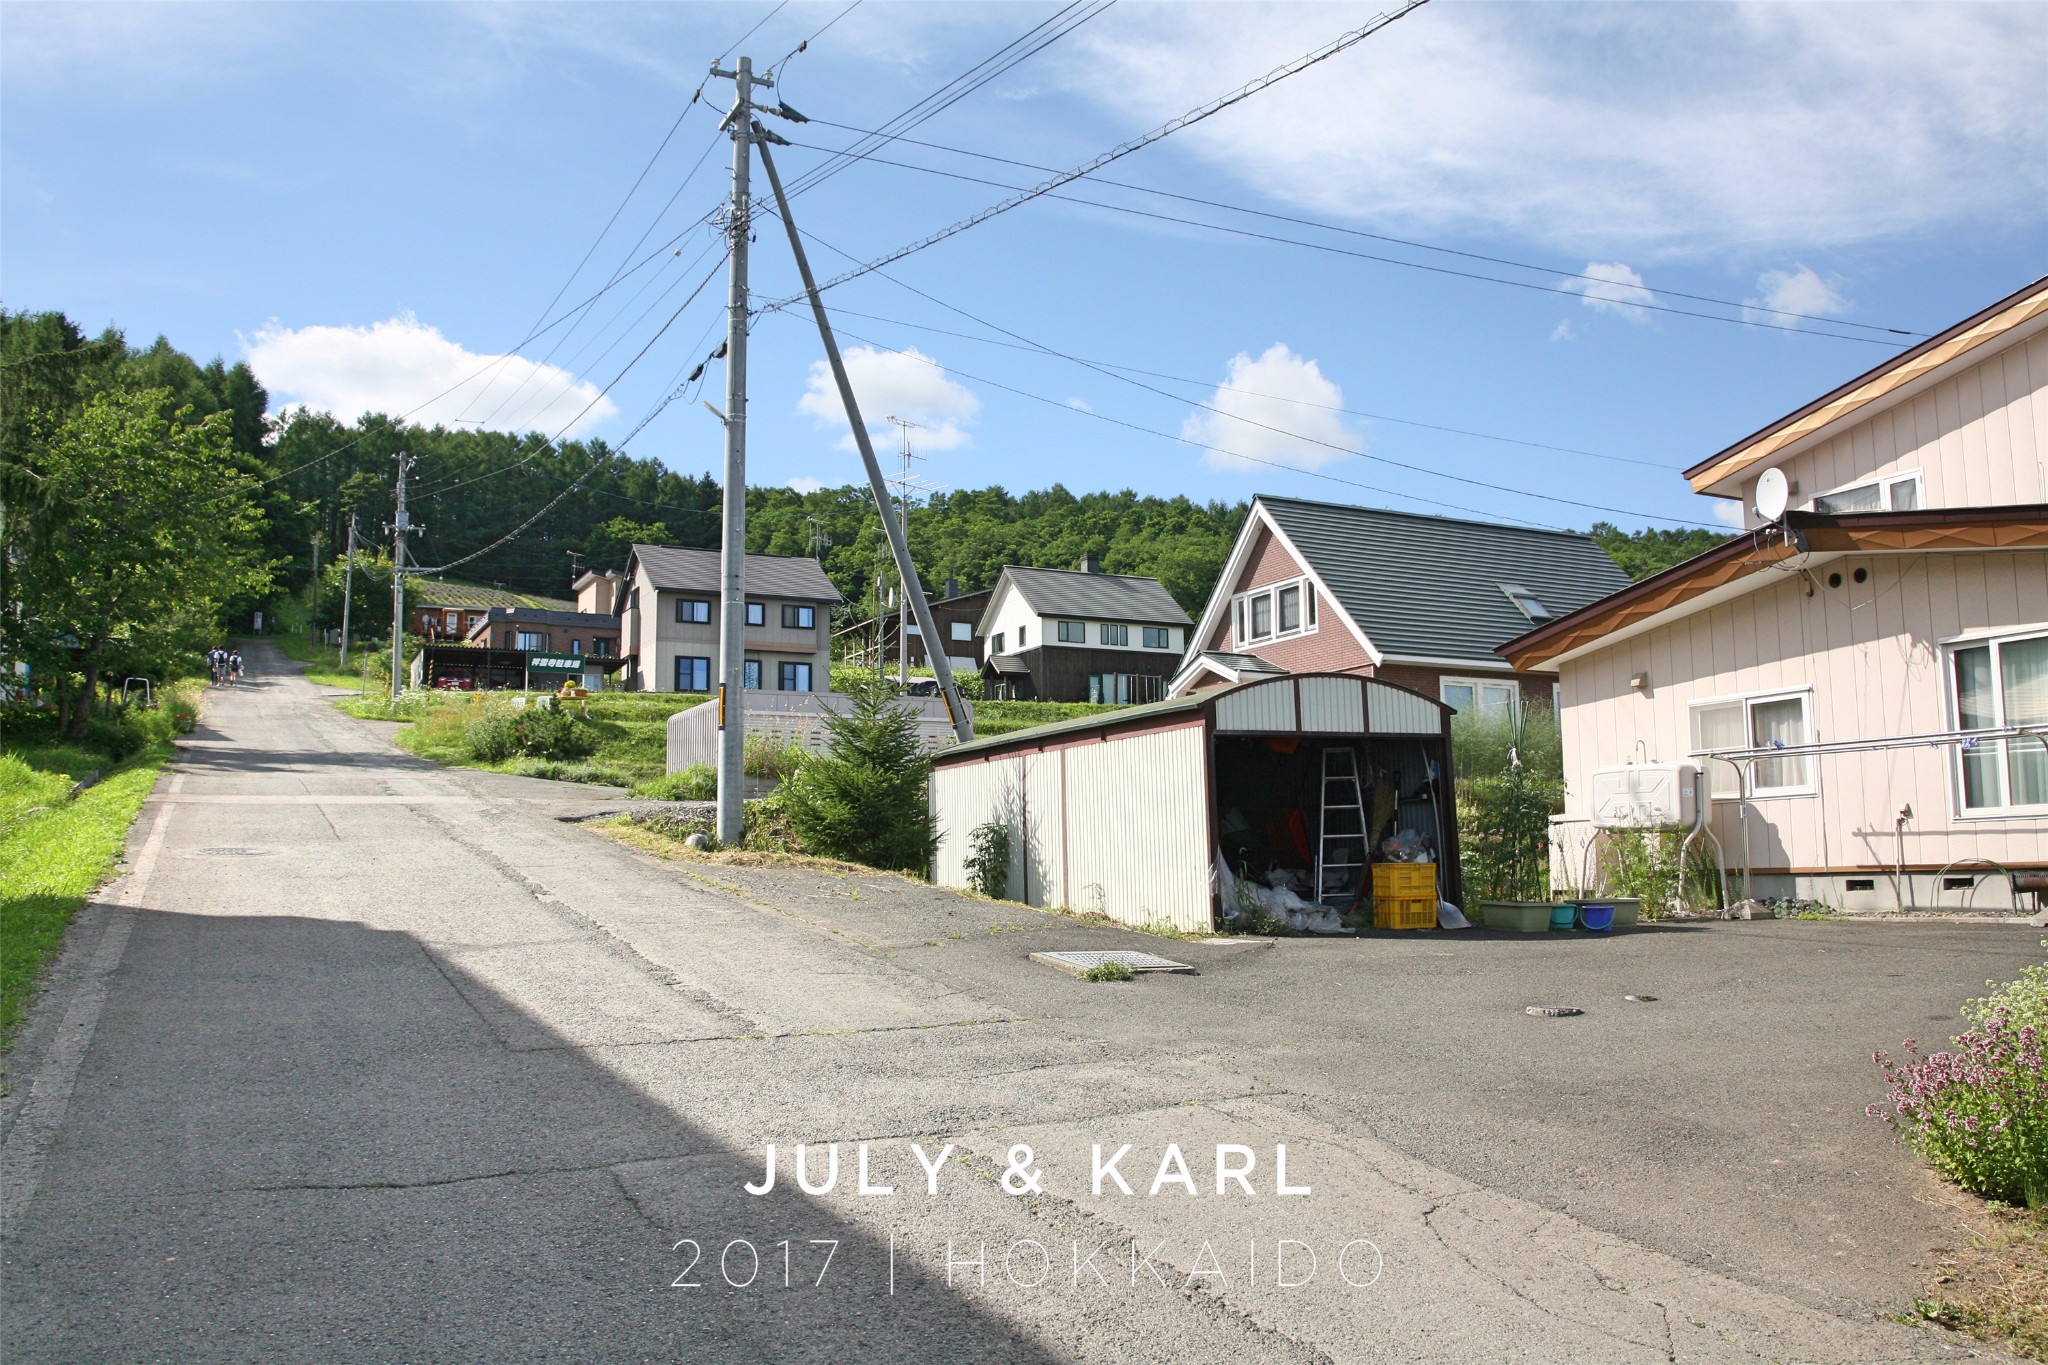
x: 453, y: 619
x: 1484, y: 697
x: 796, y: 677
x: 750, y: 675
x: 995, y: 643
x: 531, y: 639
x: 1274, y: 612
x: 1158, y: 637
x: 757, y: 613
x: 693, y: 675
x: 798, y: 618
x: 963, y: 630
x: 2002, y: 683
x: 693, y: 611
x: 600, y: 648
x: 575, y: 646
x: 1754, y: 723
x: 1896, y: 493
x: 1116, y: 635
x: 1109, y: 688
x: 633, y: 599
x: 1528, y: 603
x: 1020, y: 636
x: 1073, y: 633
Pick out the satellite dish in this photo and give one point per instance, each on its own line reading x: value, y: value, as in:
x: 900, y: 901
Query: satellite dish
x: 1772, y: 493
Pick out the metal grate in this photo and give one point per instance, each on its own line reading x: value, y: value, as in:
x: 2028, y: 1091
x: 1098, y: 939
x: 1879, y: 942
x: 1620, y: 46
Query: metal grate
x: 1081, y: 960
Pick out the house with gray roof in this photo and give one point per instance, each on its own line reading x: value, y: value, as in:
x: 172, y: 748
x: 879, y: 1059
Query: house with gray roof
x: 668, y: 604
x: 1420, y: 601
x: 1080, y: 635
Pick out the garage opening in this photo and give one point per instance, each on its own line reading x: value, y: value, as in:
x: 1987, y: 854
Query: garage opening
x: 1312, y: 814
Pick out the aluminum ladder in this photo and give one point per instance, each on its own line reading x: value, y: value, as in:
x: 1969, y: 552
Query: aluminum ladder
x: 1340, y: 844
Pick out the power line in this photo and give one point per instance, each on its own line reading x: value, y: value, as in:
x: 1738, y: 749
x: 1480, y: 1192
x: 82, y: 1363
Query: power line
x: 1250, y: 421
x: 1124, y: 149
x: 750, y: 33
x: 1334, y: 227
x: 1359, y: 255
x: 775, y: 68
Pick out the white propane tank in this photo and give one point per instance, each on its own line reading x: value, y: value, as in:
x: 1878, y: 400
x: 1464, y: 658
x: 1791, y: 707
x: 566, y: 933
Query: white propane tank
x: 1645, y: 796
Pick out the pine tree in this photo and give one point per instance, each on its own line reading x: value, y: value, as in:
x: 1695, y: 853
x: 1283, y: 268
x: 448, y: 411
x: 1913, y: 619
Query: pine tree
x: 864, y: 798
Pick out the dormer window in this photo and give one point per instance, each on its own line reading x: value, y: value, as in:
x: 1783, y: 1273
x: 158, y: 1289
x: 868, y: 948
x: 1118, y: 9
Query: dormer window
x: 1273, y: 612
x: 1528, y: 602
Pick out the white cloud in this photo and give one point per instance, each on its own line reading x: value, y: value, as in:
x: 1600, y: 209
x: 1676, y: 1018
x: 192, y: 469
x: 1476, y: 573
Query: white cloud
x: 1080, y: 405
x: 1278, y: 390
x: 1613, y: 288
x: 907, y: 384
x: 1660, y: 129
x: 401, y: 367
x: 806, y: 484
x: 1728, y: 511
x: 1798, y: 291
x: 1564, y: 331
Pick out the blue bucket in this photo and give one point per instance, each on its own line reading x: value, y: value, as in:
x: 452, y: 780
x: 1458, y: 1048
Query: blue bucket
x: 1597, y: 919
x: 1563, y: 916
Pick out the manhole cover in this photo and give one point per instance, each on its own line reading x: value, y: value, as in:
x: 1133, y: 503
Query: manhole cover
x: 1080, y: 961
x: 1553, y: 1011
x: 230, y: 852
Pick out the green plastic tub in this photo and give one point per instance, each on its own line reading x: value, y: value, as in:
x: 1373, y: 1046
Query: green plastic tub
x: 1516, y: 917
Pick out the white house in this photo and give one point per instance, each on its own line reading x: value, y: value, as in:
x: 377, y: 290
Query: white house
x: 1080, y: 635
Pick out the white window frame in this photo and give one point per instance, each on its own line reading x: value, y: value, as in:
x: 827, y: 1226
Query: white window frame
x: 1749, y: 701
x: 1241, y: 613
x: 963, y: 631
x: 1476, y: 684
x: 1949, y: 649
x: 1887, y: 485
x: 538, y: 637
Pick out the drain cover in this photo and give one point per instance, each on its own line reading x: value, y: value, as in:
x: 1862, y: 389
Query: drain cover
x: 1553, y: 1011
x: 230, y: 852
x: 1080, y: 961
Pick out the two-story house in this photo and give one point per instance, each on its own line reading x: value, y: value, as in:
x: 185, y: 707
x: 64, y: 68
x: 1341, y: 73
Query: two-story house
x: 669, y: 621
x: 445, y: 609
x: 1080, y: 635
x: 1863, y: 674
x: 547, y: 632
x: 1420, y: 601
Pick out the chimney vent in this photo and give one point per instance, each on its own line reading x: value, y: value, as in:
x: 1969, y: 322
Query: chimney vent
x: 1091, y: 563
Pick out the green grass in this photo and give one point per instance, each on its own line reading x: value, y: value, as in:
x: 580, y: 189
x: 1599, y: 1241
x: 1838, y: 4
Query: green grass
x: 993, y: 718
x: 632, y: 732
x: 323, y: 664
x: 55, y: 851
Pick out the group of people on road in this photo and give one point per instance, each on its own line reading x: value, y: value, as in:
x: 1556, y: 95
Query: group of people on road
x: 225, y: 665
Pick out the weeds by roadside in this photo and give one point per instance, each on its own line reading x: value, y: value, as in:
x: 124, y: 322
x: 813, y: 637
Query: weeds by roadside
x: 1996, y: 1288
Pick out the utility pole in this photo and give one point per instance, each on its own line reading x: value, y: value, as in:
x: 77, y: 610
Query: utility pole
x: 313, y: 616
x: 903, y: 491
x: 401, y: 527
x: 732, y: 620
x: 348, y: 587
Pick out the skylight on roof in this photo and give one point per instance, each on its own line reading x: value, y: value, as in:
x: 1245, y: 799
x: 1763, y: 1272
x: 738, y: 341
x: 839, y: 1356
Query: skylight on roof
x: 1531, y: 605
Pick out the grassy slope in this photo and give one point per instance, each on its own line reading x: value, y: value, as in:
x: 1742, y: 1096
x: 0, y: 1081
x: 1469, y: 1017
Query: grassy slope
x: 54, y: 852
x: 632, y: 729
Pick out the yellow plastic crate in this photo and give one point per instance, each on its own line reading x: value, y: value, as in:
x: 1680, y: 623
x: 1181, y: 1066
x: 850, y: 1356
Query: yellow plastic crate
x: 1404, y: 879
x: 1404, y: 912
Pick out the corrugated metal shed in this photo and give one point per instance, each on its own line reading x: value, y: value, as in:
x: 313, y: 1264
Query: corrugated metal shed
x: 1116, y: 813
x: 1432, y: 586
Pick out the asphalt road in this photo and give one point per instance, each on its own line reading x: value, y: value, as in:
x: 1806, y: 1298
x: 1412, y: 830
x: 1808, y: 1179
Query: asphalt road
x: 368, y: 1060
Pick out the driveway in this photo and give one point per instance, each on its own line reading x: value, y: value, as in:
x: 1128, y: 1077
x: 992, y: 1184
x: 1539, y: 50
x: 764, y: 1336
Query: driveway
x: 365, y: 1059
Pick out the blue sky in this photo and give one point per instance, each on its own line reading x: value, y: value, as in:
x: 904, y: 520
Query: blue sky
x: 370, y: 201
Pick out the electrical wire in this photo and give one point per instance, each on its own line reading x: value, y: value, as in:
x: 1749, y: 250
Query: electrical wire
x: 1351, y: 231
x: 1250, y: 421
x: 734, y: 46
x: 1344, y: 251
x: 1124, y: 149
x: 776, y: 67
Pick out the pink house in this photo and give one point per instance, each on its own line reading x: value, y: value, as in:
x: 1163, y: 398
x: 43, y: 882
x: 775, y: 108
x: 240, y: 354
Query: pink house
x: 1863, y: 676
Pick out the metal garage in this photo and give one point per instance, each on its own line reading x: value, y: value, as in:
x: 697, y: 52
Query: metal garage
x: 1128, y: 814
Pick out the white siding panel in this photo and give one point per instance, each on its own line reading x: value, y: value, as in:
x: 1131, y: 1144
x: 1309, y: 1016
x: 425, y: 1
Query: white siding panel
x: 1260, y: 707
x: 1041, y: 853
x: 1138, y: 828
x: 966, y: 795
x: 1395, y: 712
x: 1333, y: 705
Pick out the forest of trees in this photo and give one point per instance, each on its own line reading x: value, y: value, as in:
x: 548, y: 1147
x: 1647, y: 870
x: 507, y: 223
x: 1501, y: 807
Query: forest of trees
x: 286, y: 480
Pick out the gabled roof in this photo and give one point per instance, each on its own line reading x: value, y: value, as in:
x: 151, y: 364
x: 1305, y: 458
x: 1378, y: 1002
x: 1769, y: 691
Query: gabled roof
x: 1808, y: 538
x: 1096, y: 596
x: 1227, y: 666
x: 1435, y: 587
x: 673, y: 569
x: 444, y: 592
x: 1993, y: 324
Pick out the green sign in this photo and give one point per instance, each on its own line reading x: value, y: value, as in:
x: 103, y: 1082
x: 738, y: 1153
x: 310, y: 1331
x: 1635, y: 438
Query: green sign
x: 554, y: 663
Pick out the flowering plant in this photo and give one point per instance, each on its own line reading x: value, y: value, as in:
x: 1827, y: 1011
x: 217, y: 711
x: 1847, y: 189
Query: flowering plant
x: 1977, y: 1113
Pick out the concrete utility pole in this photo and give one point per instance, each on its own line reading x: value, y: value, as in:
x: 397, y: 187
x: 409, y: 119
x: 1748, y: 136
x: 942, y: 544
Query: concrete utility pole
x: 903, y: 490
x: 732, y: 619
x: 401, y: 527
x: 348, y: 587
x: 906, y: 572
x: 313, y: 616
